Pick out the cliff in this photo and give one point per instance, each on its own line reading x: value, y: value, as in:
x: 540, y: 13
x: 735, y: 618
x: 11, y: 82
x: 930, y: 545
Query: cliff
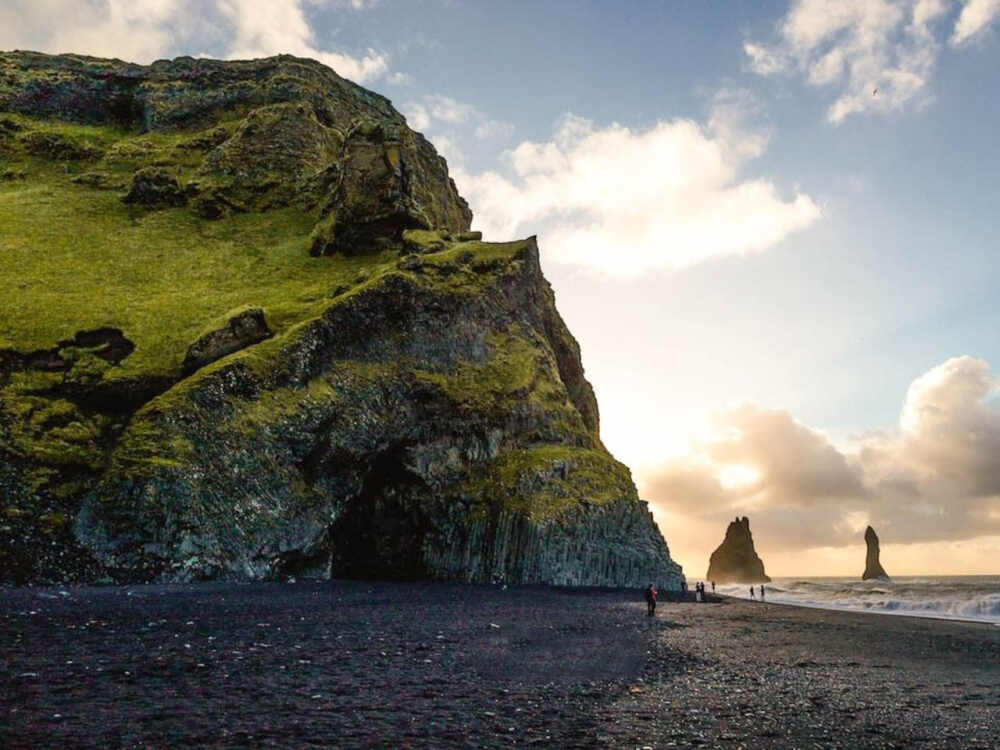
x: 873, y: 568
x: 251, y: 335
x: 736, y: 560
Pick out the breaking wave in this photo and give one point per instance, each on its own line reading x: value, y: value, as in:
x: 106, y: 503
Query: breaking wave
x: 974, y: 598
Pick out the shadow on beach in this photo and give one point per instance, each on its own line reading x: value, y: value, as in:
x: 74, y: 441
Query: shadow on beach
x: 358, y: 664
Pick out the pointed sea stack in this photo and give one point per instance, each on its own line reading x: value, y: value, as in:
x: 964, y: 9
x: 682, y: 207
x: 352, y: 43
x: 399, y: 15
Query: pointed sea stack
x: 735, y: 560
x: 873, y: 568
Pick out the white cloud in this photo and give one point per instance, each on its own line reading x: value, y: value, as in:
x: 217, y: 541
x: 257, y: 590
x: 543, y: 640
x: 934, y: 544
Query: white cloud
x: 400, y: 79
x: 764, y: 60
x: 878, y: 55
x: 622, y: 201
x: 417, y: 116
x: 135, y: 30
x: 445, y: 115
x: 451, y: 151
x: 145, y: 30
x: 934, y: 478
x: 446, y: 109
x: 280, y: 26
x: 975, y: 18
x: 494, y: 129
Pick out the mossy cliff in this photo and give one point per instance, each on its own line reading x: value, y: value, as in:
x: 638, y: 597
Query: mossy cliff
x: 246, y: 332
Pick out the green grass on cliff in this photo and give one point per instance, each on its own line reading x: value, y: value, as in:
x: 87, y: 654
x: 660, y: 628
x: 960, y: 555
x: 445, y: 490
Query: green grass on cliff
x: 544, y: 481
x: 73, y: 258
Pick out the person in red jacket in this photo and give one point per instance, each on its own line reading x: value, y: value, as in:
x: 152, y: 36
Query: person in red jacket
x: 651, y: 600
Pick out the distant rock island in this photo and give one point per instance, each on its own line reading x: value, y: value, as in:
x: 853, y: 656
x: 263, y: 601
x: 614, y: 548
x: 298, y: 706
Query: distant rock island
x: 873, y: 568
x: 247, y: 333
x: 735, y: 560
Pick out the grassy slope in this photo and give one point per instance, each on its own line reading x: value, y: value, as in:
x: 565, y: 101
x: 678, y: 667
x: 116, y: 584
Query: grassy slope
x: 73, y: 257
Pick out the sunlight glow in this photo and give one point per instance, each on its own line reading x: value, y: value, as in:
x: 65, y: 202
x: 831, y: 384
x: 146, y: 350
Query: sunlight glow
x: 738, y: 476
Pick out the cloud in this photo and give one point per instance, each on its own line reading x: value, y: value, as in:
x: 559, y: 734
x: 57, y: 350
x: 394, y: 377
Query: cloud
x: 764, y: 60
x: 399, y: 79
x: 417, y: 116
x: 451, y: 151
x: 446, y: 109
x: 975, y: 18
x: 949, y: 435
x: 878, y: 55
x: 494, y: 129
x: 441, y: 113
x: 933, y: 478
x: 136, y: 30
x: 145, y: 30
x: 280, y: 26
x: 625, y: 201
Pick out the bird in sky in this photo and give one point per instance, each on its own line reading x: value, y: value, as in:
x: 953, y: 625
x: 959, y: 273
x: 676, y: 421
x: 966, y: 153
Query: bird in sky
x: 875, y: 91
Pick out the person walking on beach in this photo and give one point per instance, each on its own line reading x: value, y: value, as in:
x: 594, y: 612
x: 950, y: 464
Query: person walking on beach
x: 751, y: 593
x: 713, y: 587
x: 651, y: 600
x: 762, y: 592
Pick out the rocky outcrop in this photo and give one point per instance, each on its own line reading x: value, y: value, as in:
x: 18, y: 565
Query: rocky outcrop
x: 296, y: 358
x: 383, y: 190
x: 736, y: 560
x: 108, y: 344
x: 473, y: 460
x: 154, y: 188
x: 610, y: 545
x: 309, y: 138
x: 242, y: 328
x: 873, y: 568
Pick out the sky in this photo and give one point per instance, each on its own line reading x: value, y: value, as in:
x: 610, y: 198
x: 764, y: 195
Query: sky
x: 771, y: 227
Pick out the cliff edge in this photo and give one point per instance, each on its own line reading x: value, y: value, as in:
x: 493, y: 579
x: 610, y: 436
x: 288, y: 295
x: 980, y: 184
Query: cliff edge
x: 736, y: 560
x: 252, y: 336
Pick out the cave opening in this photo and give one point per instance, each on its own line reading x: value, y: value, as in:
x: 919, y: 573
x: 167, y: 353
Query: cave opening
x: 380, y: 535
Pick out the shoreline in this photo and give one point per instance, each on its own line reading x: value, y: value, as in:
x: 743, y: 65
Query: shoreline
x: 444, y: 665
x: 859, y: 611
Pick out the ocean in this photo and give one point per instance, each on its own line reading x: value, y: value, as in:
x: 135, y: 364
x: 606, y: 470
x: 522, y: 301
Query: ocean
x: 972, y: 598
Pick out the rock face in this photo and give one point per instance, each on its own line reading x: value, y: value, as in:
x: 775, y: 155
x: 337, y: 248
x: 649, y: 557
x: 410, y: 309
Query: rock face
x: 873, y: 568
x: 242, y: 329
x: 735, y: 560
x: 278, y: 349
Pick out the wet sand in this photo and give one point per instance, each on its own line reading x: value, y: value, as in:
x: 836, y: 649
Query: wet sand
x: 350, y: 664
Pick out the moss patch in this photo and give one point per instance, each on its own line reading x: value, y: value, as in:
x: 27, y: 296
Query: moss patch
x: 543, y: 481
x: 73, y: 258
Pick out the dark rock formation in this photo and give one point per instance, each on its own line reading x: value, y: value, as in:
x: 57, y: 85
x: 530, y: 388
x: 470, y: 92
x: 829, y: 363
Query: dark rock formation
x: 57, y: 147
x: 735, y: 560
x: 154, y: 187
x: 873, y: 568
x: 242, y: 329
x: 386, y: 185
x: 108, y: 344
x: 310, y: 137
x: 406, y: 403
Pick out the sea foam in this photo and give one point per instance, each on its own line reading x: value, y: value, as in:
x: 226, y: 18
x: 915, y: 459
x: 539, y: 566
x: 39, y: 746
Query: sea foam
x: 971, y: 598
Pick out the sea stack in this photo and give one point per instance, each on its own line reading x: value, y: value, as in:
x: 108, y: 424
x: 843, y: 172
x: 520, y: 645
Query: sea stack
x: 873, y: 568
x: 735, y: 560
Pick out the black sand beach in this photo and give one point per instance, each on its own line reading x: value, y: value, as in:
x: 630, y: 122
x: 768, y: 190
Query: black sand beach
x: 352, y: 664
